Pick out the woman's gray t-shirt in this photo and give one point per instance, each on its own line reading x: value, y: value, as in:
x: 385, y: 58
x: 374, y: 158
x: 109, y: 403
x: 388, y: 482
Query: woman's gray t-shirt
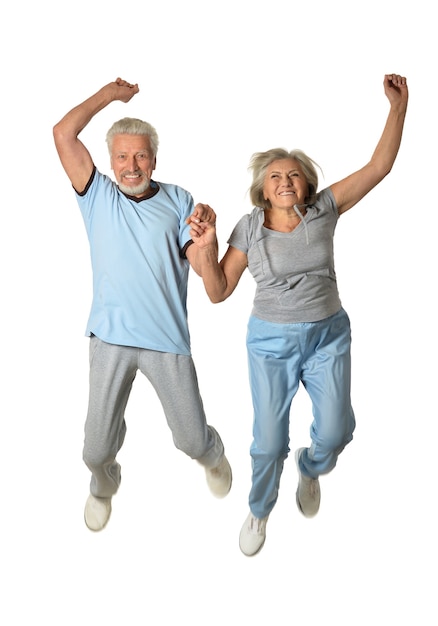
x: 294, y: 272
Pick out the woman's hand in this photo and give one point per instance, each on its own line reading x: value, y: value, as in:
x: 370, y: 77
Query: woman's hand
x: 203, y: 226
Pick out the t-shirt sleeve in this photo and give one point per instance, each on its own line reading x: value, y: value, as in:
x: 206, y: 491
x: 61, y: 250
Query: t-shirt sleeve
x: 239, y: 237
x: 327, y: 200
x: 187, y: 207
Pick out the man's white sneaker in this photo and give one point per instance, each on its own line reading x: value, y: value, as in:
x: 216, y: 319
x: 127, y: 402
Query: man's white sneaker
x: 97, y: 512
x: 219, y: 478
x: 253, y: 535
x: 308, y: 491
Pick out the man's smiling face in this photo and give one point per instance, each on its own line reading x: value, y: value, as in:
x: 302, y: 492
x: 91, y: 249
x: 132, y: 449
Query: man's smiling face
x: 132, y: 162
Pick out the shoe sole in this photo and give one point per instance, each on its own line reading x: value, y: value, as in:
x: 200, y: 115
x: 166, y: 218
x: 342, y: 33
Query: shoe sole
x: 97, y: 530
x: 258, y: 549
x: 252, y: 553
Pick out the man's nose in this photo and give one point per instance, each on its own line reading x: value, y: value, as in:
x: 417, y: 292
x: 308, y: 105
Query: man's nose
x: 132, y: 163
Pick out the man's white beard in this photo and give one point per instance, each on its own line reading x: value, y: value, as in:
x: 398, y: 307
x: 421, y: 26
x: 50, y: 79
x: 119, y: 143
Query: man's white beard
x: 137, y: 190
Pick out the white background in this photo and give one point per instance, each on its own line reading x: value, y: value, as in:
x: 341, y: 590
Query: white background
x: 219, y: 81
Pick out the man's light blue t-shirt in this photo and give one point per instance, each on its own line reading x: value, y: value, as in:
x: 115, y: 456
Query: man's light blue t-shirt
x: 140, y: 273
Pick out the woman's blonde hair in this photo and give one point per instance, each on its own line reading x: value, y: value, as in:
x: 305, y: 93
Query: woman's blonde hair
x: 260, y: 162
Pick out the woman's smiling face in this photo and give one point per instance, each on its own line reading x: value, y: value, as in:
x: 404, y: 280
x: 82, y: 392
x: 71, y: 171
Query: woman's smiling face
x: 285, y: 184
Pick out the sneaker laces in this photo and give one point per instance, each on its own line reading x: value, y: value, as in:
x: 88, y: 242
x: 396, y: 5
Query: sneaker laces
x: 256, y: 525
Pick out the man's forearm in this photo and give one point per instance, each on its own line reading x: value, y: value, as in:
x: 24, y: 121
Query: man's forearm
x: 76, y: 119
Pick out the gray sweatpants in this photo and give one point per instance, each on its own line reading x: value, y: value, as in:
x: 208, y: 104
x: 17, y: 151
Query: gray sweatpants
x: 112, y: 372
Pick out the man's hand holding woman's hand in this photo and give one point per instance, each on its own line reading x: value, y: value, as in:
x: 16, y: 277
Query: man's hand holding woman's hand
x: 203, y: 222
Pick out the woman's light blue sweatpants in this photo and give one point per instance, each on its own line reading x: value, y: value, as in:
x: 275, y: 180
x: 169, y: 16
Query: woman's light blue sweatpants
x: 280, y: 356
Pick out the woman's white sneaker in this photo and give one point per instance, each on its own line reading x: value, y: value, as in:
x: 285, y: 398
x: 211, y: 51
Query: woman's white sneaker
x: 253, y: 534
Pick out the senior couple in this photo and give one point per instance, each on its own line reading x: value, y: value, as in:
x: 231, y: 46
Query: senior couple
x: 144, y: 235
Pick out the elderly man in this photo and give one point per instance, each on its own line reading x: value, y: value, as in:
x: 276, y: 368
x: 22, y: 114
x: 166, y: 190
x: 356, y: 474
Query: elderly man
x: 139, y: 236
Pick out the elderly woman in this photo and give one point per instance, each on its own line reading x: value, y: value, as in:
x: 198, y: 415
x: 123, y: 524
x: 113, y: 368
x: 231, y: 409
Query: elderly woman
x: 298, y: 330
